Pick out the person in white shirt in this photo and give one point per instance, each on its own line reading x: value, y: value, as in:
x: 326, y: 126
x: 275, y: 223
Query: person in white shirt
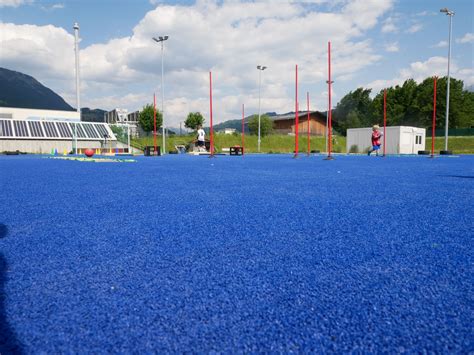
x: 201, y: 138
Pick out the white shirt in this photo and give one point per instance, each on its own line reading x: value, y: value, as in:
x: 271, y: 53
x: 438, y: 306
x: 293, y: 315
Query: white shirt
x: 201, y: 135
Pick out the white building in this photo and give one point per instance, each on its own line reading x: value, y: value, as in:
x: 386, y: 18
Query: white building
x: 398, y: 140
x: 43, y: 131
x: 122, y: 118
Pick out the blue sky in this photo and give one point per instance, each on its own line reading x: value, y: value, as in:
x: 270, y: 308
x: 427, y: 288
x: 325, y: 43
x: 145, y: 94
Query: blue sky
x: 376, y: 43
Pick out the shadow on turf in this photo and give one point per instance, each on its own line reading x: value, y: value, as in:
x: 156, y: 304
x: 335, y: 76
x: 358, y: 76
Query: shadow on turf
x: 9, y: 343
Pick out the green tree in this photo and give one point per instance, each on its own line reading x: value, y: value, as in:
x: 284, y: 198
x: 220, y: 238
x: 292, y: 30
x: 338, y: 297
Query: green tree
x: 357, y: 107
x: 266, y: 125
x: 146, y: 118
x: 119, y: 132
x: 194, y: 120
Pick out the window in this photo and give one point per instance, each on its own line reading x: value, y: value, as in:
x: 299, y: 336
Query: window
x: 417, y: 139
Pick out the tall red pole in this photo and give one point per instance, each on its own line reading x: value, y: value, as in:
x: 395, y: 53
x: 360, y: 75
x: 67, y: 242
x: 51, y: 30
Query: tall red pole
x: 243, y: 130
x: 154, y: 123
x: 329, y: 108
x: 307, y: 101
x: 210, y: 103
x: 296, y: 111
x: 384, y: 118
x: 433, y: 133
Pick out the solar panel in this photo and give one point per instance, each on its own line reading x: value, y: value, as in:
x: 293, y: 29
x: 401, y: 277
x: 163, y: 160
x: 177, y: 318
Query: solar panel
x: 50, y: 129
x: 91, y: 132
x: 79, y: 130
x: 6, y: 128
x: 64, y: 129
x: 20, y: 129
x: 102, y: 130
x: 35, y: 129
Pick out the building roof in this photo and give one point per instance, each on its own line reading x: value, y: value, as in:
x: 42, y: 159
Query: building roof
x: 291, y: 115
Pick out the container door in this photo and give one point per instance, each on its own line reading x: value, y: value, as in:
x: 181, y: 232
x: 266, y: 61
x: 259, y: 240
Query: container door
x: 407, y: 143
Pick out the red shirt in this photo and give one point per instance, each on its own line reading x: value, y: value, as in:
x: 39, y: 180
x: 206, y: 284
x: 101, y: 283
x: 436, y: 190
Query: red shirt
x: 376, y: 138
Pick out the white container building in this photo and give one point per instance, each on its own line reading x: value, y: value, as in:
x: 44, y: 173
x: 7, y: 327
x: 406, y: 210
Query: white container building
x: 399, y: 140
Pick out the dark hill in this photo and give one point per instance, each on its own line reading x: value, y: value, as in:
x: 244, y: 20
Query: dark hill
x: 23, y: 91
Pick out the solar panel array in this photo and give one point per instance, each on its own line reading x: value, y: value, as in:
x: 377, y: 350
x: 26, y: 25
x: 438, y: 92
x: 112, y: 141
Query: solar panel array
x: 57, y: 130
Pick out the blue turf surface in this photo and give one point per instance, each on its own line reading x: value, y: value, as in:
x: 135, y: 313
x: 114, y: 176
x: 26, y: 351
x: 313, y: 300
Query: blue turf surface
x: 261, y: 253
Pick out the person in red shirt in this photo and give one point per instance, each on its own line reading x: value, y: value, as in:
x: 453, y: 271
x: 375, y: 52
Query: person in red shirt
x: 376, y: 135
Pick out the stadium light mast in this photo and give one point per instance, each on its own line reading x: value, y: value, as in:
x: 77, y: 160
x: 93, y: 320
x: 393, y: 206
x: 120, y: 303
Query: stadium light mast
x: 446, y: 129
x: 260, y: 69
x: 161, y: 40
x: 78, y: 85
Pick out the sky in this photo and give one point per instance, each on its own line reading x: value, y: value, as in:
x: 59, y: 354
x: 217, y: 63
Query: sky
x: 374, y: 44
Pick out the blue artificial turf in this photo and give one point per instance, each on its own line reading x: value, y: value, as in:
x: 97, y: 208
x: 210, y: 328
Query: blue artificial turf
x: 255, y: 254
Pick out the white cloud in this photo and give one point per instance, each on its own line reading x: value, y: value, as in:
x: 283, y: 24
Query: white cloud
x: 415, y: 28
x: 14, y: 3
x: 440, y: 44
x: 392, y: 47
x: 467, y: 38
x: 53, y: 7
x: 229, y: 38
x: 389, y: 26
x: 421, y: 70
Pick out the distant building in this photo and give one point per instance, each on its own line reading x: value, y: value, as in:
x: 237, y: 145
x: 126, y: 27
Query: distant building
x: 285, y: 124
x: 229, y: 130
x: 43, y: 131
x: 121, y: 117
x: 399, y: 140
x: 118, y: 115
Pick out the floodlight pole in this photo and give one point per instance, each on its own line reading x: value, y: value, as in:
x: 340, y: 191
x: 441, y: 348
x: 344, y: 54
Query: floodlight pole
x: 433, y: 131
x: 210, y: 109
x: 296, y: 113
x: 161, y: 40
x: 307, y: 128
x: 329, y: 157
x: 384, y: 118
x: 260, y: 69
x: 446, y: 129
x: 78, y: 87
x: 154, y: 125
x: 243, y: 130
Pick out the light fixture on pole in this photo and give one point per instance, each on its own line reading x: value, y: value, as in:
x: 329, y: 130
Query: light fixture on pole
x: 260, y: 69
x: 162, y: 39
x: 450, y: 14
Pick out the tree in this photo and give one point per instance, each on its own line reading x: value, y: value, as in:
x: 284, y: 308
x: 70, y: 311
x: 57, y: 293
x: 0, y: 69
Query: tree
x: 358, y: 103
x: 266, y: 125
x: 146, y: 118
x: 194, y: 120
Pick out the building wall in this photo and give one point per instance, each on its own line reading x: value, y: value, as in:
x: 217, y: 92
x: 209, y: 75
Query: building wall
x: 25, y: 114
x: 44, y: 146
x: 288, y: 126
x: 398, y: 139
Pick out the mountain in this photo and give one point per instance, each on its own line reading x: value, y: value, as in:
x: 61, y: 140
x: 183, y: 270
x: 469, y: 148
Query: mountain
x: 237, y: 124
x: 23, y: 91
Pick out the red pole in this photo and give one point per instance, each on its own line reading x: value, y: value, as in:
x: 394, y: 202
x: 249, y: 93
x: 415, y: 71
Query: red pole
x: 307, y: 101
x: 243, y: 131
x: 434, y: 118
x: 330, y: 110
x: 384, y: 118
x: 296, y: 112
x: 154, y: 123
x: 210, y: 102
